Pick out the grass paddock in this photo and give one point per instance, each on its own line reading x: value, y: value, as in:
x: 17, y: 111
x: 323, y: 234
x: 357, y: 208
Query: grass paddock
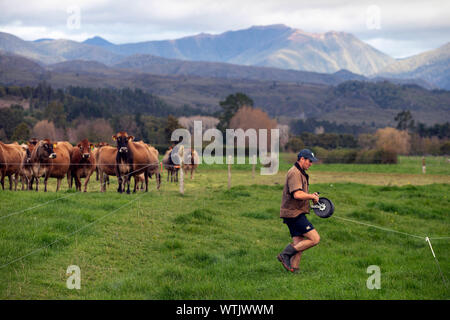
x: 219, y: 243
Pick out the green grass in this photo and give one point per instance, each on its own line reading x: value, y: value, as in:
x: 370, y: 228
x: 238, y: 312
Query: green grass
x: 407, y: 165
x: 215, y: 243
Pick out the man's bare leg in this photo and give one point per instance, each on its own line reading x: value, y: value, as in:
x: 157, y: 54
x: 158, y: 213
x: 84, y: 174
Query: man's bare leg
x: 295, y: 260
x: 308, y: 240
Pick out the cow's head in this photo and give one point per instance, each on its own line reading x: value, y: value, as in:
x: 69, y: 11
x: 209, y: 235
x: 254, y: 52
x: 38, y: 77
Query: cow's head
x: 85, y: 148
x: 122, y: 139
x: 28, y: 151
x: 28, y: 157
x: 46, y: 149
x: 33, y: 141
x: 101, y: 144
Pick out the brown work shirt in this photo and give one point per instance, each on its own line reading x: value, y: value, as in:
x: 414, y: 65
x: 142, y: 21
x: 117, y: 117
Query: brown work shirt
x: 296, y: 179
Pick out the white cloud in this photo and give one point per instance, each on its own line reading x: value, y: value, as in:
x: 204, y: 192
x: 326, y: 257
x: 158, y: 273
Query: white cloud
x: 397, y: 48
x: 133, y: 21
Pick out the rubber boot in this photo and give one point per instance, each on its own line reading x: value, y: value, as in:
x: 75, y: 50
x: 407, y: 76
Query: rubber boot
x: 285, y: 257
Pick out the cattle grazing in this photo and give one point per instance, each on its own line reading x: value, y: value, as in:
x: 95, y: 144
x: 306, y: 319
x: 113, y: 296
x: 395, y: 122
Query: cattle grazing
x: 11, y: 157
x: 132, y: 159
x: 51, y: 160
x: 95, y: 152
x: 40, y: 160
x: 106, y: 164
x: 140, y: 179
x: 82, y: 164
x: 26, y: 170
x: 153, y: 167
x: 190, y: 161
x: 61, y: 164
x: 171, y: 162
x: 169, y: 166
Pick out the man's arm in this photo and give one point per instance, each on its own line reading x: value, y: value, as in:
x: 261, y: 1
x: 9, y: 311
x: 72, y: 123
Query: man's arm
x: 301, y: 195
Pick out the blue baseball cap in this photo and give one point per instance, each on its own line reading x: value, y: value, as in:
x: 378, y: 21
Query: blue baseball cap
x: 307, y: 154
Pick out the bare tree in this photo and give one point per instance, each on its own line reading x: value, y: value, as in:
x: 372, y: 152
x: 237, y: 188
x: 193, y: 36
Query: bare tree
x: 393, y: 140
x: 45, y: 130
x: 284, y: 134
x: 93, y: 130
x: 367, y: 141
x: 207, y: 122
x: 253, y: 118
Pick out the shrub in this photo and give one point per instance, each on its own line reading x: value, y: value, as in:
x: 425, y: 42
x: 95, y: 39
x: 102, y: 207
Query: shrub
x: 376, y: 156
x: 445, y: 148
x: 21, y: 132
x: 388, y: 157
x: 320, y: 153
x: 295, y: 144
x: 390, y: 139
x: 341, y: 156
x: 366, y: 156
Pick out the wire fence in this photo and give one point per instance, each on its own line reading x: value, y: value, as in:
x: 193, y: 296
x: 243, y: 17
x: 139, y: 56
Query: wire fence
x: 425, y: 238
x: 146, y: 165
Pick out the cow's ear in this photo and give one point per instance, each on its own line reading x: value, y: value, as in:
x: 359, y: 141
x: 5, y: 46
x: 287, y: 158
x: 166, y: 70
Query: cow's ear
x: 130, y: 138
x: 114, y: 138
x: 92, y: 146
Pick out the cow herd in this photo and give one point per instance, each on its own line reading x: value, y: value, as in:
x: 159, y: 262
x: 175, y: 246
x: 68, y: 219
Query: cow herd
x: 46, y: 159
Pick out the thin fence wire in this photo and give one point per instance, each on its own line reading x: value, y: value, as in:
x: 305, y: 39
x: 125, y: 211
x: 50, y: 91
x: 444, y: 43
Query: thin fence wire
x: 70, y: 234
x: 152, y: 164
x: 426, y: 238
x: 381, y: 228
x: 64, y: 197
x: 74, y: 164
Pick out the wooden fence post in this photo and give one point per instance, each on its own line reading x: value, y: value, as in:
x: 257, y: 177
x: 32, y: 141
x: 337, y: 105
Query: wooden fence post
x: 424, y: 167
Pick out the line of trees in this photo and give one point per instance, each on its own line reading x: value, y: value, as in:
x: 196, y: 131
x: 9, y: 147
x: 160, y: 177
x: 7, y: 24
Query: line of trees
x: 74, y: 102
x: 74, y: 113
x: 406, y: 122
x: 68, y: 112
x: 312, y: 125
x: 382, y: 146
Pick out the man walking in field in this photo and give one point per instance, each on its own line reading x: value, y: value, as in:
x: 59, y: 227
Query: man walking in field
x: 294, y: 208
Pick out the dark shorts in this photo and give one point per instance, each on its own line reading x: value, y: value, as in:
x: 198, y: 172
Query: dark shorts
x: 298, y: 225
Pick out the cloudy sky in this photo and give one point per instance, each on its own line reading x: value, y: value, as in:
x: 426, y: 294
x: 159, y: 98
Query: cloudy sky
x: 398, y: 28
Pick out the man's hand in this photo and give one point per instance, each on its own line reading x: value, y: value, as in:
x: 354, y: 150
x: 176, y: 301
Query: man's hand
x: 301, y: 195
x: 315, y: 197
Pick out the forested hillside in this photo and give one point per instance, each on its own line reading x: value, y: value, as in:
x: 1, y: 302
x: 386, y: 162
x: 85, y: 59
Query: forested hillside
x: 98, y: 111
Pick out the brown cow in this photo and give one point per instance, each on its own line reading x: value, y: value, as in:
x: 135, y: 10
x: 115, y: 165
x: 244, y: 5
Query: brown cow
x: 171, y: 162
x: 51, y: 160
x: 11, y: 157
x: 140, y: 179
x: 95, y: 154
x: 132, y: 159
x: 106, y: 164
x: 153, y: 168
x: 190, y: 161
x: 26, y: 170
x: 40, y: 160
x: 61, y: 164
x: 82, y: 164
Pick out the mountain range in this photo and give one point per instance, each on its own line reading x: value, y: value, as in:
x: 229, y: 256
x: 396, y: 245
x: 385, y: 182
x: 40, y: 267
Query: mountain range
x: 271, y: 46
x: 287, y: 72
x: 225, y: 55
x: 346, y: 101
